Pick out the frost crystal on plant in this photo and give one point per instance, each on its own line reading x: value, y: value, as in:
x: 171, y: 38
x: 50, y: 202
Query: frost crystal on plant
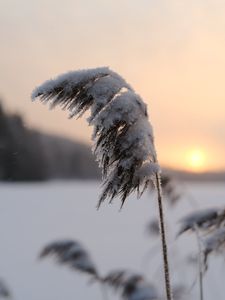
x: 123, y: 137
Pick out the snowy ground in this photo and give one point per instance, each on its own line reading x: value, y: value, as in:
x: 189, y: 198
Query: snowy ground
x: 31, y: 215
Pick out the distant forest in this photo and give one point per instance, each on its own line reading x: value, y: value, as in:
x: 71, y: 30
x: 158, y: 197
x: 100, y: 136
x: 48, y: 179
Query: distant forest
x: 29, y: 155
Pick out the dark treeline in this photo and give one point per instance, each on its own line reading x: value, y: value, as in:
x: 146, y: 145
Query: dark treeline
x: 27, y: 154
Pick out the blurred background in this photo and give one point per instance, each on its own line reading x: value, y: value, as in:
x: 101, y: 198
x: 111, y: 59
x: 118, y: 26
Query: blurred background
x: 171, y: 52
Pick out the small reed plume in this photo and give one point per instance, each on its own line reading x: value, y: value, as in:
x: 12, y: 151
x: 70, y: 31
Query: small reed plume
x: 209, y: 224
x: 71, y: 254
x: 213, y: 243
x: 122, y: 137
x: 132, y: 286
x: 204, y: 220
x: 203, y: 223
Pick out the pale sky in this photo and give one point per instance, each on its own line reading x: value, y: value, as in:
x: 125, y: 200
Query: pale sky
x: 172, y: 52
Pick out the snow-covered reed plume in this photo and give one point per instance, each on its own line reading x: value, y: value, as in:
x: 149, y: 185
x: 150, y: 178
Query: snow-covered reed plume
x: 214, y: 243
x: 204, y: 220
x: 123, y: 136
x: 72, y: 254
x: 209, y: 224
x: 132, y: 286
x: 4, y: 290
x: 206, y: 224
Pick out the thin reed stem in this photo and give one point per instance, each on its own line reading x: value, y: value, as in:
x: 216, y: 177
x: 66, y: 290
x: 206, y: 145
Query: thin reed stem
x: 163, y: 239
x: 200, y: 264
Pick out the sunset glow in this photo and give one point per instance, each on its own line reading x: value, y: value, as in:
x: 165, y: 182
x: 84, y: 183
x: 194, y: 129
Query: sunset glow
x: 196, y: 160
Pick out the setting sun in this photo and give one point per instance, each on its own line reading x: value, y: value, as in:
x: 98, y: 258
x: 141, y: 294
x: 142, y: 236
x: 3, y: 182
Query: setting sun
x: 196, y: 160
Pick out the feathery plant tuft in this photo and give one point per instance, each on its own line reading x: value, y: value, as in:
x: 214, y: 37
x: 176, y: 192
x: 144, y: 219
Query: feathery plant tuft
x: 209, y: 227
x: 123, y: 136
x: 123, y: 139
x: 213, y: 243
x: 132, y: 286
x: 72, y: 254
x: 205, y: 220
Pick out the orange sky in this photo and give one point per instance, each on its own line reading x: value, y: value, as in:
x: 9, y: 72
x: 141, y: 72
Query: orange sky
x: 172, y: 52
